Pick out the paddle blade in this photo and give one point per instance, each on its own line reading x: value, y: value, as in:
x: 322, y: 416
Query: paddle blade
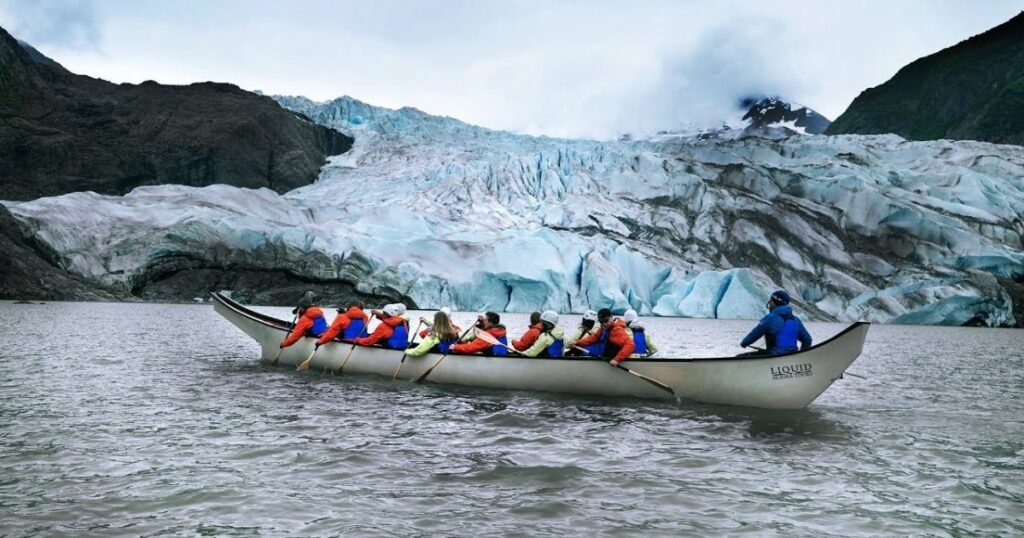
x: 305, y: 364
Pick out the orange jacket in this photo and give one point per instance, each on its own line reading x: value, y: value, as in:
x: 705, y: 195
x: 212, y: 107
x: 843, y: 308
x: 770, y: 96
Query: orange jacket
x: 529, y: 337
x: 477, y: 345
x: 384, y: 330
x: 618, y: 336
x: 305, y: 323
x: 341, y: 322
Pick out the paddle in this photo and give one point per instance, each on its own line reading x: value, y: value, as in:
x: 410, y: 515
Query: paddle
x: 337, y: 371
x: 654, y: 382
x: 305, y: 364
x: 490, y: 339
x: 421, y: 378
x: 401, y: 362
x: 279, y: 350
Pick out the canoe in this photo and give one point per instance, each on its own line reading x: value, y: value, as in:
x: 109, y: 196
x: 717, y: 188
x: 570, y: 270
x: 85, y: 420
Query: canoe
x: 783, y: 382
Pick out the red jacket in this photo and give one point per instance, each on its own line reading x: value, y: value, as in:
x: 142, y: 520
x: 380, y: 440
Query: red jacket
x: 477, y: 345
x: 341, y: 322
x: 384, y: 330
x: 529, y: 337
x: 618, y: 336
x: 305, y: 323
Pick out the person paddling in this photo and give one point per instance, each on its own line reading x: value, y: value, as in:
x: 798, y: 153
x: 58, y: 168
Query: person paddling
x: 429, y: 324
x: 490, y: 322
x: 644, y: 344
x: 780, y: 328
x: 531, y: 334
x: 311, y: 321
x: 390, y: 332
x: 614, y: 338
x: 442, y: 336
x: 550, y: 341
x: 587, y: 326
x: 348, y: 324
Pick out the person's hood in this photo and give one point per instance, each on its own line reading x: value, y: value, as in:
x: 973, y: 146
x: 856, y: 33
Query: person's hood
x: 393, y: 321
x: 784, y: 310
x: 354, y: 312
x: 557, y: 333
x: 314, y: 312
x: 497, y: 331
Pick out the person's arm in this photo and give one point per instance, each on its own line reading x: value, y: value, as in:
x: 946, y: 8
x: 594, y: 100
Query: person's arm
x: 338, y: 326
x: 382, y: 332
x: 591, y: 338
x: 300, y: 329
x: 476, y: 345
x: 805, y: 337
x: 622, y: 339
x: 538, y: 347
x: 529, y: 337
x: 756, y: 333
x: 425, y: 346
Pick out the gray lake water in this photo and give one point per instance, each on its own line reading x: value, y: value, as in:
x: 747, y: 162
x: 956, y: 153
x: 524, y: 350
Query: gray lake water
x: 144, y: 420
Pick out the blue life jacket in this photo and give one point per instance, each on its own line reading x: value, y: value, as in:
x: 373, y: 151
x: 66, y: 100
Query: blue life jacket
x: 640, y: 341
x: 786, y: 339
x: 355, y: 329
x: 399, y: 339
x: 556, y: 348
x: 319, y: 326
x: 444, y: 345
x: 500, y: 351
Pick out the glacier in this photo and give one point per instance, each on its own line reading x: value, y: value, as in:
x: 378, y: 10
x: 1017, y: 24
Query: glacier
x: 437, y: 212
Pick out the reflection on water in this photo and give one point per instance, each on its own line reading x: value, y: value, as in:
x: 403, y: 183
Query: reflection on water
x: 157, y: 419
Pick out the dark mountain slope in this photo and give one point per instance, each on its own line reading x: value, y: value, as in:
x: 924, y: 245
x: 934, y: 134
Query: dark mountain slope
x: 973, y: 90
x: 61, y: 132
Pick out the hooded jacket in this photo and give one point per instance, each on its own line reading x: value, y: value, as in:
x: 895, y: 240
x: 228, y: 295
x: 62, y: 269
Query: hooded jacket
x: 544, y: 341
x: 477, y: 345
x: 616, y: 336
x: 341, y: 322
x: 529, y: 337
x: 312, y: 317
x: 781, y: 331
x: 384, y: 330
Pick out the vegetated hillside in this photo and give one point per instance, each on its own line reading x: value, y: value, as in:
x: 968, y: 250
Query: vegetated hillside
x: 61, y: 133
x: 971, y: 91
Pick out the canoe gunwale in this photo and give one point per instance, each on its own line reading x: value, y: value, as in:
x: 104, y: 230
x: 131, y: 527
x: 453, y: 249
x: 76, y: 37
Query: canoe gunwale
x: 282, y: 325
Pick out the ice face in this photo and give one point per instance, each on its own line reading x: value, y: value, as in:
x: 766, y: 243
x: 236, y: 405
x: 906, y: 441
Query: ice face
x: 856, y: 227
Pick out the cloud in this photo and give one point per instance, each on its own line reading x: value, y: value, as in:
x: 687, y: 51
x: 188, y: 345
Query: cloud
x: 58, y: 23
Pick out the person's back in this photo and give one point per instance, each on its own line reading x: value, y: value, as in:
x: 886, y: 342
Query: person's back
x: 490, y: 322
x: 642, y: 341
x: 384, y: 333
x: 781, y: 329
x: 311, y: 322
x: 531, y: 334
x: 550, y: 341
x: 441, y: 337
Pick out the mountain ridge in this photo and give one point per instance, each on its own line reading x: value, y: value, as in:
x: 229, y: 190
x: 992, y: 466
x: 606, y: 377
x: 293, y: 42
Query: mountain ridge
x: 973, y: 90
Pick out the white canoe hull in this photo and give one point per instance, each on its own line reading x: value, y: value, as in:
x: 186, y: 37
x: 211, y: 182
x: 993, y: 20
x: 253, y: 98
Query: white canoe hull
x: 784, y: 382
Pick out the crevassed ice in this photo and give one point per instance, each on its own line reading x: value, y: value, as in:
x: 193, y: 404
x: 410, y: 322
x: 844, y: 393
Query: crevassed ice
x: 856, y: 227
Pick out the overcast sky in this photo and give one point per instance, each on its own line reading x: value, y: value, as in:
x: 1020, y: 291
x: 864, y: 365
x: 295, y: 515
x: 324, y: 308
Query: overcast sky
x: 563, y: 68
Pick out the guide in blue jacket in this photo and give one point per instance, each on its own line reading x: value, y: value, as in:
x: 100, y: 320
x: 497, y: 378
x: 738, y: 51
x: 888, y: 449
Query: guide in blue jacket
x: 780, y: 328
